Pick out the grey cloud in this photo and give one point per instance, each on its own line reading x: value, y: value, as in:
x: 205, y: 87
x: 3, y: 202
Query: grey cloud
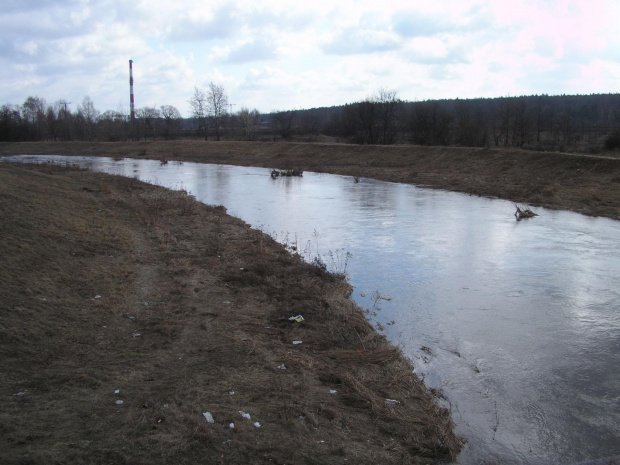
x: 287, y: 21
x: 222, y: 25
x: 416, y: 25
x: 413, y: 24
x: 359, y: 41
x: 257, y: 50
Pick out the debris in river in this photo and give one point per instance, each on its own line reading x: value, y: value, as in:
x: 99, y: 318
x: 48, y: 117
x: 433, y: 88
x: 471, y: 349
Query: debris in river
x: 521, y: 213
x: 287, y: 173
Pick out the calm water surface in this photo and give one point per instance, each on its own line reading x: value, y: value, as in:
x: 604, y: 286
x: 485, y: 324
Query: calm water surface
x: 518, y: 323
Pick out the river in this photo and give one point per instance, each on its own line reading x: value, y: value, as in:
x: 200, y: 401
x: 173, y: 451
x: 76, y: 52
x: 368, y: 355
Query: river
x: 516, y: 323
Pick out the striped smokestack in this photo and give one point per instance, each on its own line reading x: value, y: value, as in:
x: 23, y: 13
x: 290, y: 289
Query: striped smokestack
x: 131, y: 103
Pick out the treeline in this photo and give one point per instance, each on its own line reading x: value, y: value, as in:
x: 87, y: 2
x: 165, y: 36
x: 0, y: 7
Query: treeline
x: 588, y: 123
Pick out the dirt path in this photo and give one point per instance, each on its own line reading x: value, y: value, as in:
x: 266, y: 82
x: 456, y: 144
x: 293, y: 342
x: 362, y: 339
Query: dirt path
x: 113, y: 290
x: 582, y: 183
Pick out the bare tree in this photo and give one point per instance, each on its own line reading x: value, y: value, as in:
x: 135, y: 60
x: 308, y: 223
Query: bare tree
x: 171, y: 117
x: 217, y: 102
x: 148, y: 116
x: 388, y: 115
x: 285, y: 120
x: 249, y: 122
x: 199, y: 106
x: 89, y: 115
x: 33, y: 111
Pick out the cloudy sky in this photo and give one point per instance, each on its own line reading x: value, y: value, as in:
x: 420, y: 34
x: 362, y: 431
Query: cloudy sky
x: 280, y: 54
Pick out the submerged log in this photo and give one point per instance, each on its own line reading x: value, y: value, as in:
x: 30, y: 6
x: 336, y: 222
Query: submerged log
x: 523, y: 213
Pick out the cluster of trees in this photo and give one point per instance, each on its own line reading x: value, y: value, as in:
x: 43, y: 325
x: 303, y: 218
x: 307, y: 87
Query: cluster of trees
x: 578, y: 122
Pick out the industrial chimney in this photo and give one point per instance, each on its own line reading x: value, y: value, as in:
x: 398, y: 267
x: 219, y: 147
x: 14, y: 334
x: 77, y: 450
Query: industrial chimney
x: 131, y: 103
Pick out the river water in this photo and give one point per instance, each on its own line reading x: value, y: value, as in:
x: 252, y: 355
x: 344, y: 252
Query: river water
x: 517, y: 323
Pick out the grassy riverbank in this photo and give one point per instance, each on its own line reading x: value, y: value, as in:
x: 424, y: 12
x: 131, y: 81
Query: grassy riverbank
x: 114, y: 290
x: 585, y: 184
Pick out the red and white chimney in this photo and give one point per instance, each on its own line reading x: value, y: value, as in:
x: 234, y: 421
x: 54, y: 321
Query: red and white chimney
x: 131, y: 103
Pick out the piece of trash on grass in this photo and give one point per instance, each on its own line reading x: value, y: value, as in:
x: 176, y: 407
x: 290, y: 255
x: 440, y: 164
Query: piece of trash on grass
x: 227, y: 302
x: 232, y: 393
x: 208, y: 417
x: 119, y: 402
x: 297, y: 318
x: 19, y: 394
x: 136, y: 334
x: 97, y: 297
x: 257, y: 424
x: 117, y: 391
x: 282, y: 367
x: 333, y: 391
x: 296, y: 342
x: 165, y: 405
x: 231, y: 426
x: 392, y: 401
x: 146, y: 304
x: 245, y: 415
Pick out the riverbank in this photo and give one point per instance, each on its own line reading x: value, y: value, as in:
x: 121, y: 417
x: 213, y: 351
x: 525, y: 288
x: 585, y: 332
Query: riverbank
x: 127, y: 312
x: 581, y: 183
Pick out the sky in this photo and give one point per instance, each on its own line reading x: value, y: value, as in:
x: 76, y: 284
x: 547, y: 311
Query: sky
x: 286, y: 55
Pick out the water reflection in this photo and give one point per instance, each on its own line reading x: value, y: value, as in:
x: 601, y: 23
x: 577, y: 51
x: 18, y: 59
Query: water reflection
x: 519, y: 321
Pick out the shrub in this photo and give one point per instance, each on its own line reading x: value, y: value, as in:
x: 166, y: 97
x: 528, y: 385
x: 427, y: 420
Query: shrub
x: 613, y: 142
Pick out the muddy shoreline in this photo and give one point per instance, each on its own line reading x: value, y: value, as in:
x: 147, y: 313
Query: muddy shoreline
x: 581, y: 183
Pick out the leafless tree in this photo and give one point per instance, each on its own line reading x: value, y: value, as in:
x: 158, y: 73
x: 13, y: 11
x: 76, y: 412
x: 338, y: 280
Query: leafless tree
x: 33, y: 111
x: 217, y: 103
x: 199, y: 104
x: 171, y: 117
x: 285, y: 121
x: 249, y: 122
x: 148, y: 116
x: 89, y: 115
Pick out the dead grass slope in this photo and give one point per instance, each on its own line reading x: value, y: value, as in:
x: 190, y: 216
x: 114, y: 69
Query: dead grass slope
x: 582, y: 183
x: 109, y: 284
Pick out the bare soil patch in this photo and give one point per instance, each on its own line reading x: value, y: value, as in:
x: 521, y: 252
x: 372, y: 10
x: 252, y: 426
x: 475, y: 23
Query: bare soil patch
x: 582, y: 183
x: 113, y: 290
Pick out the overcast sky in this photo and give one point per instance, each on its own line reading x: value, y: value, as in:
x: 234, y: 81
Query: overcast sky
x: 281, y: 55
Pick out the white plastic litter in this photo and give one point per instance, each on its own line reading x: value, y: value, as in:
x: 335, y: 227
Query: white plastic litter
x: 136, y: 335
x: 231, y: 426
x: 117, y: 391
x: 245, y: 415
x: 297, y: 318
x: 97, y: 297
x: 232, y: 393
x: 257, y: 424
x: 208, y: 417
x: 119, y: 402
x: 296, y: 342
x: 333, y: 391
x: 391, y: 401
x: 282, y: 367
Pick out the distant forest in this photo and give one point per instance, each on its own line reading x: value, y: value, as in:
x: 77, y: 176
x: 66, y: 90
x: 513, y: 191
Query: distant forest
x: 580, y: 123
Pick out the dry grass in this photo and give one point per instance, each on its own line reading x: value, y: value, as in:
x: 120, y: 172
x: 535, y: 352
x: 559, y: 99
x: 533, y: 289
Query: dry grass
x: 193, y: 306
